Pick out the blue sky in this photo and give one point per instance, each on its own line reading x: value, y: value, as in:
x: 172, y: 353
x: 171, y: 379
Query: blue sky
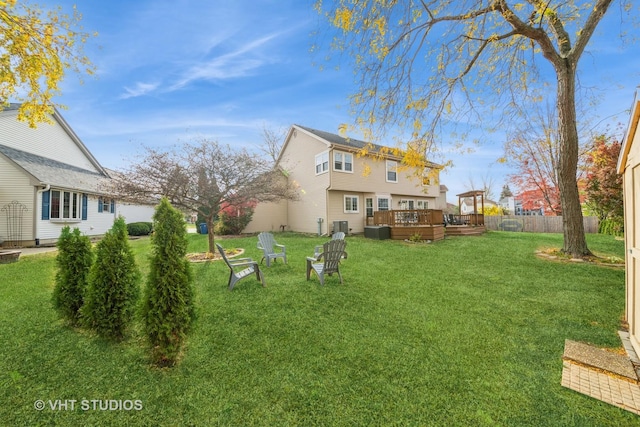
x: 179, y: 70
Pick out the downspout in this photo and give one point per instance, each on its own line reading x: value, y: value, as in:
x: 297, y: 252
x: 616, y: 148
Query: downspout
x: 47, y: 187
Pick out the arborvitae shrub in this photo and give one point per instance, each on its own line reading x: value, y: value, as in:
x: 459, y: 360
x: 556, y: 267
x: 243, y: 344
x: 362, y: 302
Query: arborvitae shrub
x: 74, y: 261
x: 139, y: 228
x: 612, y: 226
x: 113, y: 289
x: 168, y: 310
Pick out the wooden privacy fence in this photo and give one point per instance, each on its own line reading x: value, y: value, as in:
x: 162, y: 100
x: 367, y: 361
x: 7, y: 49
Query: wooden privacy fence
x: 534, y: 223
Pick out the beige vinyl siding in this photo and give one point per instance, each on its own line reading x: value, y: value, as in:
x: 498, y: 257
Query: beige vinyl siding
x: 268, y: 217
x: 16, y: 185
x: 369, y: 175
x: 336, y: 211
x: 631, y: 189
x: 299, y: 161
x: 47, y: 140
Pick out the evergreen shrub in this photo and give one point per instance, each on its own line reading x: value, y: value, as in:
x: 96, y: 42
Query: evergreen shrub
x: 73, y: 261
x: 168, y: 310
x: 139, y: 228
x: 113, y: 289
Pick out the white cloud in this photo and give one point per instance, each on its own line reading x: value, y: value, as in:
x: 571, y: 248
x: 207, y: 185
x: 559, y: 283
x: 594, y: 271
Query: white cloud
x: 238, y: 63
x: 140, y: 89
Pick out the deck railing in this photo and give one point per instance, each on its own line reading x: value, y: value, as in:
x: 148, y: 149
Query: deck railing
x: 408, y: 217
x: 470, y: 219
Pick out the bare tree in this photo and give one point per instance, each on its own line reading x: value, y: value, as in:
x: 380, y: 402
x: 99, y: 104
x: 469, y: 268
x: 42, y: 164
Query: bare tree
x: 202, y: 177
x: 423, y: 65
x: 487, y: 183
x: 533, y: 149
x: 273, y: 140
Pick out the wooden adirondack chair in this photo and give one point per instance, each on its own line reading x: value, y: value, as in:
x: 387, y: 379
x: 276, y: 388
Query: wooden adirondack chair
x: 240, y: 268
x: 271, y: 250
x: 338, y: 235
x: 328, y: 262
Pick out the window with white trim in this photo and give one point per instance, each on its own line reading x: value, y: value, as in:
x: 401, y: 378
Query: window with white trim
x: 65, y: 205
x: 322, y: 162
x: 383, y: 203
x: 391, y: 169
x: 406, y: 204
x: 351, y: 204
x: 368, y: 202
x: 423, y: 204
x: 106, y: 205
x: 342, y: 161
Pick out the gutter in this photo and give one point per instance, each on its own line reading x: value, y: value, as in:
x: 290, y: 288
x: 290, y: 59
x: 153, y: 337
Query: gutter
x: 39, y: 203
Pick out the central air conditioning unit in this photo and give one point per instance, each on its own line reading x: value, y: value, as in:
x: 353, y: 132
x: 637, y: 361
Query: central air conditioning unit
x: 341, y: 226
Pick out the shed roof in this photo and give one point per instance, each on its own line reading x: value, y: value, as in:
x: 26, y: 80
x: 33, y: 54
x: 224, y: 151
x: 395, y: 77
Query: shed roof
x: 630, y: 134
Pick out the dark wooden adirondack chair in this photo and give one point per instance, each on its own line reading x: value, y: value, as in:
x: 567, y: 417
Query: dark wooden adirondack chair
x: 267, y: 244
x: 240, y: 268
x: 338, y: 235
x: 328, y: 262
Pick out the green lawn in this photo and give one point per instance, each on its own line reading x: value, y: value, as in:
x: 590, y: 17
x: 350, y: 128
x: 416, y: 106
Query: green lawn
x: 466, y: 331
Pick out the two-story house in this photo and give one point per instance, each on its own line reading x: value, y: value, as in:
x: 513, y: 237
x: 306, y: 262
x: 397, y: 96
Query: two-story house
x: 339, y: 188
x: 49, y: 179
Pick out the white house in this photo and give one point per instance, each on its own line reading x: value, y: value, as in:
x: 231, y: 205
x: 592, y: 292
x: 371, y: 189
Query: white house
x: 49, y: 179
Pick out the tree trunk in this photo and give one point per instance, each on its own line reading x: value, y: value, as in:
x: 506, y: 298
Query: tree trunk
x: 210, y: 235
x: 575, y: 242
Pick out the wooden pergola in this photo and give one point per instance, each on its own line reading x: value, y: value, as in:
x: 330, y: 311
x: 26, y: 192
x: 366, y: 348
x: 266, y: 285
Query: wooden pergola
x: 466, y: 224
x: 474, y: 194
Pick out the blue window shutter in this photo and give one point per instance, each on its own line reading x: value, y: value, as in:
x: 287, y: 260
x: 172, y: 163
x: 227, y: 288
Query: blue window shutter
x: 113, y: 206
x: 84, y: 207
x: 45, y: 204
x: 99, y: 204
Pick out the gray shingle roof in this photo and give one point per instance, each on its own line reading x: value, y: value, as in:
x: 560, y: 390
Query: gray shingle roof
x: 332, y: 138
x: 337, y: 139
x: 56, y: 173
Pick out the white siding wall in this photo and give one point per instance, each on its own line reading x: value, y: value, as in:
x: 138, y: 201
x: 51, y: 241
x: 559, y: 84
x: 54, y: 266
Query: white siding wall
x: 135, y: 213
x: 50, y: 141
x: 16, y: 185
x: 96, y: 224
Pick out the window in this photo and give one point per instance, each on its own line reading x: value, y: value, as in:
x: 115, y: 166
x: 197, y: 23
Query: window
x: 351, y: 204
x: 55, y: 204
x: 383, y: 203
x: 322, y: 163
x: 368, y: 202
x: 429, y: 177
x: 342, y: 161
x: 423, y: 204
x: 392, y: 174
x: 64, y: 205
x: 106, y: 205
x: 406, y: 204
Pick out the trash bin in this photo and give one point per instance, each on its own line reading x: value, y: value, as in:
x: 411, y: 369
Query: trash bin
x: 203, y: 228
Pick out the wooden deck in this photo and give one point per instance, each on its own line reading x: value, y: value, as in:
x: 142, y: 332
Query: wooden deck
x: 429, y: 223
x: 426, y: 232
x: 406, y: 223
x: 465, y: 230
